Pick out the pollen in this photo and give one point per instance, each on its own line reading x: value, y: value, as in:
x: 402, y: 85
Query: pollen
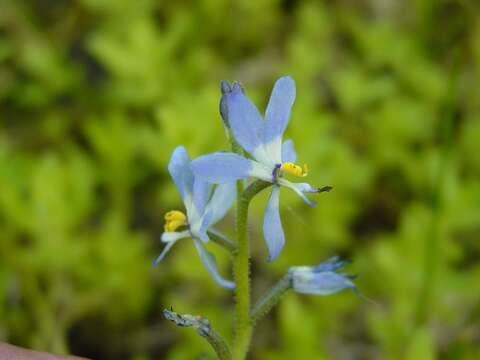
x: 174, y: 219
x: 294, y: 169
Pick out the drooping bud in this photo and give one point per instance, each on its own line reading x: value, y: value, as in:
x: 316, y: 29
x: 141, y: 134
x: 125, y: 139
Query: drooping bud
x: 321, y: 279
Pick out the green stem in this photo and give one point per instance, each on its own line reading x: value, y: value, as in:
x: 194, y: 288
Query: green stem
x: 221, y: 240
x: 204, y: 329
x: 241, y: 269
x: 219, y: 344
x: 270, y: 299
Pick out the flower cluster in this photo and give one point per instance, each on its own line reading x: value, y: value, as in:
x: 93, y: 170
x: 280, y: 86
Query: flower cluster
x: 268, y: 158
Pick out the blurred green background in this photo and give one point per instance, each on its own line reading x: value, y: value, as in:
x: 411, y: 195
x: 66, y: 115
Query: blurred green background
x: 94, y: 96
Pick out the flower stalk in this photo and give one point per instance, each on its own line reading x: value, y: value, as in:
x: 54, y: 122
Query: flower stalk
x: 222, y: 240
x: 241, y: 269
x: 270, y: 299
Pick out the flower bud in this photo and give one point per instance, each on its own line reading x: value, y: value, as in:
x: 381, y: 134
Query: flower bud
x: 226, y: 89
x: 321, y: 279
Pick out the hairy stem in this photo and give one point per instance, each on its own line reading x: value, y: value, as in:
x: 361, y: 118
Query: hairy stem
x: 241, y: 268
x: 270, y: 299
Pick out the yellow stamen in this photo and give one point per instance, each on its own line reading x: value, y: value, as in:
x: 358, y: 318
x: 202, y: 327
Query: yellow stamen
x: 175, y: 215
x: 174, y: 219
x: 293, y: 169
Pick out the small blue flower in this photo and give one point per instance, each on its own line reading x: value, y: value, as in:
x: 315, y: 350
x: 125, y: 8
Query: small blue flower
x: 321, y: 279
x: 263, y: 140
x: 202, y: 211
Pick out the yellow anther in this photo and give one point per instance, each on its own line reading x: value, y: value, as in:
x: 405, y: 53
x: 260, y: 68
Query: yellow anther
x: 175, y: 215
x: 174, y: 219
x: 171, y: 226
x: 293, y: 169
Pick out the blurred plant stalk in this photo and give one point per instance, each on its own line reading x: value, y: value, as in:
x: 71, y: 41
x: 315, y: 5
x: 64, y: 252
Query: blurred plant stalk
x: 432, y: 248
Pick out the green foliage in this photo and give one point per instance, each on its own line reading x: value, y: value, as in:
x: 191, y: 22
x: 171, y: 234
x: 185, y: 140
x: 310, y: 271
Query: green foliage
x: 94, y: 96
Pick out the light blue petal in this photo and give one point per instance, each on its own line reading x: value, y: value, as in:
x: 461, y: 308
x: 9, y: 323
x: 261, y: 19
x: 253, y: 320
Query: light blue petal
x: 170, y: 238
x: 202, y: 232
x: 332, y: 264
x: 300, y: 189
x: 323, y: 283
x: 288, y: 152
x: 173, y: 236
x: 272, y: 225
x: 179, y: 169
x: 201, y: 193
x: 210, y: 263
x: 221, y: 167
x: 278, y: 109
x: 245, y: 121
x: 225, y: 89
x: 221, y: 201
x: 164, y: 252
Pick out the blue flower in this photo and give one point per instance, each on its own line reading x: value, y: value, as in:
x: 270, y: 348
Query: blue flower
x: 321, y: 279
x: 262, y: 139
x: 202, y: 211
